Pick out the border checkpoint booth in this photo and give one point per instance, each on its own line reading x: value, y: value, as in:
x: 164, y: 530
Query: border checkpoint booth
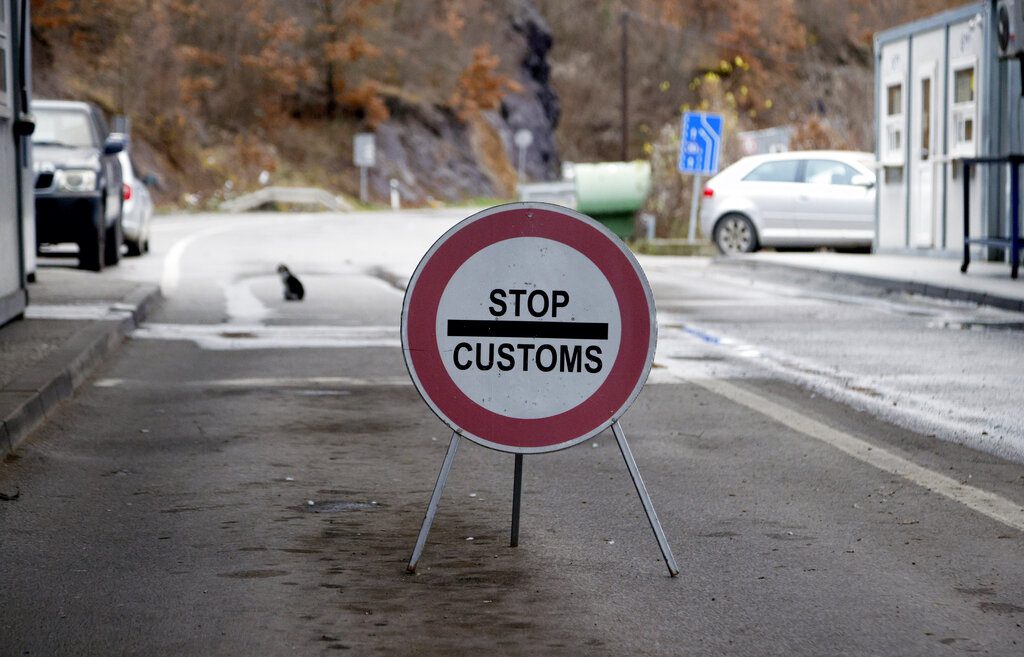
x: 17, y: 201
x: 948, y: 103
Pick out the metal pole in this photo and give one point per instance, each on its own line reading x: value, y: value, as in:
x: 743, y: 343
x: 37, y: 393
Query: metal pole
x: 966, y: 168
x: 624, y: 18
x: 428, y: 520
x: 1014, y: 218
x: 691, y: 234
x: 362, y: 185
x: 522, y: 165
x: 645, y: 499
x: 517, y: 492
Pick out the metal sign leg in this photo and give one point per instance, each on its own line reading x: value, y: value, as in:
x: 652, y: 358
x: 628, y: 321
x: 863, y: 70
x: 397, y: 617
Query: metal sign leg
x: 428, y: 520
x: 517, y: 493
x: 641, y: 490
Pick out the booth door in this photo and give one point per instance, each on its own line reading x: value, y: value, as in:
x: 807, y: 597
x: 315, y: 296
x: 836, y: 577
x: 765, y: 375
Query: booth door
x: 922, y: 161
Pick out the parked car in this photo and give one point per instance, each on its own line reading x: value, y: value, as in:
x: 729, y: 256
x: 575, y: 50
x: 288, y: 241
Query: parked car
x: 794, y: 199
x: 138, y: 206
x: 78, y: 185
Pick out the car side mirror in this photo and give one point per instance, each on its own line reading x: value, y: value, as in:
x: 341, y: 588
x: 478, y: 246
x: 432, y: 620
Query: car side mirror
x: 860, y: 180
x: 113, y: 145
x: 25, y: 125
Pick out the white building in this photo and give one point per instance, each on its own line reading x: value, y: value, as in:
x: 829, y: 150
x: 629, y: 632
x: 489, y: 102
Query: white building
x: 17, y: 222
x: 943, y: 93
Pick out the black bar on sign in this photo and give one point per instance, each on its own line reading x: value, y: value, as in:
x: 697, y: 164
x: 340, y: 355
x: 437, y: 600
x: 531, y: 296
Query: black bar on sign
x: 474, y: 328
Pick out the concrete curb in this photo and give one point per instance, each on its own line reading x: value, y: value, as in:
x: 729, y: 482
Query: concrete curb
x: 892, y: 284
x: 26, y: 402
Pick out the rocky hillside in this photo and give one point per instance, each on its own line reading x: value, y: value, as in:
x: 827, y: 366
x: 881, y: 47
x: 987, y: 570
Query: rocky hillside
x: 221, y: 91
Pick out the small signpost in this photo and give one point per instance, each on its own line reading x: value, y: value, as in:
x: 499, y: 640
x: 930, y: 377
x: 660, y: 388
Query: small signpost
x: 364, y: 155
x: 700, y: 148
x: 529, y: 328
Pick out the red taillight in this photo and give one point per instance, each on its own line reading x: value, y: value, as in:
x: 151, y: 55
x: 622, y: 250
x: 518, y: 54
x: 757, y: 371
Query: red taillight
x: 127, y: 192
x: 708, y: 192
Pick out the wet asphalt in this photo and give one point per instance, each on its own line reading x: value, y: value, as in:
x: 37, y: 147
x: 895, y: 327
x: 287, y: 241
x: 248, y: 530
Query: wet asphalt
x: 248, y: 476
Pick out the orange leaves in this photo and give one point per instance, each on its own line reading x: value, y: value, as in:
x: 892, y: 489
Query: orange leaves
x: 480, y: 87
x: 191, y: 90
x: 352, y: 49
x: 53, y: 14
x: 366, y: 99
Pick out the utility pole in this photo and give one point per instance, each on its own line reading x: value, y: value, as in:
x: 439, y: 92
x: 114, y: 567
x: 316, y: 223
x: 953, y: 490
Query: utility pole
x: 624, y: 19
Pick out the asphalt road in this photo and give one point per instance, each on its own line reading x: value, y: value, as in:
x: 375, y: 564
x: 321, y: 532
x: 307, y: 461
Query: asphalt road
x: 247, y: 476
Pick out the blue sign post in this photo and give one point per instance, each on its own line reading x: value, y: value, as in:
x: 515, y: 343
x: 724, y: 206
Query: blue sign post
x: 700, y: 149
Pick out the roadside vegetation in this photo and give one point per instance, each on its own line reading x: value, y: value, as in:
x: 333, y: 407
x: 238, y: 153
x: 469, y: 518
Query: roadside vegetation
x: 222, y: 92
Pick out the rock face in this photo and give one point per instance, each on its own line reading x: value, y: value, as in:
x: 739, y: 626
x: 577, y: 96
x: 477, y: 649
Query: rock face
x: 435, y: 155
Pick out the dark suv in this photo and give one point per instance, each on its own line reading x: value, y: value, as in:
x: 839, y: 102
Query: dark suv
x: 79, y: 193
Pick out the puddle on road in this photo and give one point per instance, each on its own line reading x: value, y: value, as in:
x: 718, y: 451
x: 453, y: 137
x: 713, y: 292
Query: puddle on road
x: 335, y: 506
x: 970, y: 325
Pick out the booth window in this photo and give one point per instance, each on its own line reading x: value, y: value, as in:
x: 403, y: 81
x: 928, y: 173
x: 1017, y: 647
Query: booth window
x: 5, y: 61
x: 894, y: 123
x: 964, y: 111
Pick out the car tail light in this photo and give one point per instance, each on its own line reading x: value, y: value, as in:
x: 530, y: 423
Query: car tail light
x: 708, y: 192
x: 127, y: 191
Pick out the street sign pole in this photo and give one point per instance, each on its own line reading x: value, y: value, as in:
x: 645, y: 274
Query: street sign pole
x: 362, y: 185
x: 435, y: 499
x: 517, y: 493
x: 645, y: 499
x: 691, y: 233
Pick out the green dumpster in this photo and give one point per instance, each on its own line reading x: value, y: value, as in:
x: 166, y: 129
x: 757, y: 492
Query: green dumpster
x: 613, y: 192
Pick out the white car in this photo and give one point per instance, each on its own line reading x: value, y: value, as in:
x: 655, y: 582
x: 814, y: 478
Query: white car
x: 794, y: 199
x: 138, y: 208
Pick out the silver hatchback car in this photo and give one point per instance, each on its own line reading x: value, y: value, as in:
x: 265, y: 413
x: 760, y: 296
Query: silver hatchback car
x: 794, y: 199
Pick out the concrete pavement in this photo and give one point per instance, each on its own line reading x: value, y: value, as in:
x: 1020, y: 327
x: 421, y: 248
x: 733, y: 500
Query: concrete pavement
x: 74, y: 321
x: 984, y: 283
x: 247, y: 476
x: 75, y: 318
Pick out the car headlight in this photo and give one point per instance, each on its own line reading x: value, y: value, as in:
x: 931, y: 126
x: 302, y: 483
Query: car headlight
x: 75, y: 180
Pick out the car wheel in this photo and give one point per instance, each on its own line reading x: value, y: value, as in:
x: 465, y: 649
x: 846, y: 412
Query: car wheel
x: 134, y: 248
x: 734, y: 233
x: 91, y: 243
x: 145, y: 245
x: 115, y: 238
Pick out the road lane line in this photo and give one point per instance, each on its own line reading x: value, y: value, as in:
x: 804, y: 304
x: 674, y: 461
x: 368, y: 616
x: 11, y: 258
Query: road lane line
x: 989, y: 504
x: 172, y: 261
x: 269, y: 382
x: 230, y: 337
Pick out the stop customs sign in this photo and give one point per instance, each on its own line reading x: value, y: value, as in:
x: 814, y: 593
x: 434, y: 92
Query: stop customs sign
x: 528, y: 328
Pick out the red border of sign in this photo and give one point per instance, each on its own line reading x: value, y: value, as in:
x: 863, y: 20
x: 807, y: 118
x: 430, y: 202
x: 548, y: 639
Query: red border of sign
x: 595, y: 242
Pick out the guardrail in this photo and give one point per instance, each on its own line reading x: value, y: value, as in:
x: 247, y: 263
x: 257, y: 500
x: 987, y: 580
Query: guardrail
x: 293, y: 195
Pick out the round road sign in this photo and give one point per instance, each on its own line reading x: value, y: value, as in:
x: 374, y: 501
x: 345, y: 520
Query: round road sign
x: 528, y: 328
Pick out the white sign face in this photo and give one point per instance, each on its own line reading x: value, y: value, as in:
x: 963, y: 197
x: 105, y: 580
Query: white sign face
x: 523, y: 138
x: 528, y: 328
x: 532, y: 327
x: 364, y: 149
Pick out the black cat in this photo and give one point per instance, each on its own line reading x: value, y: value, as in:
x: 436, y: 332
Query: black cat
x: 293, y: 290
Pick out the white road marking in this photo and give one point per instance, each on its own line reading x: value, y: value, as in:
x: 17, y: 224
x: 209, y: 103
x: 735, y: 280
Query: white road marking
x: 243, y: 307
x: 989, y: 504
x: 76, y: 311
x: 272, y: 382
x: 172, y: 261
x: 233, y: 337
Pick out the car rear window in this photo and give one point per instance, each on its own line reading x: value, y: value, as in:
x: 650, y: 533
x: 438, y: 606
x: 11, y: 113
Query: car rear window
x: 778, y: 171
